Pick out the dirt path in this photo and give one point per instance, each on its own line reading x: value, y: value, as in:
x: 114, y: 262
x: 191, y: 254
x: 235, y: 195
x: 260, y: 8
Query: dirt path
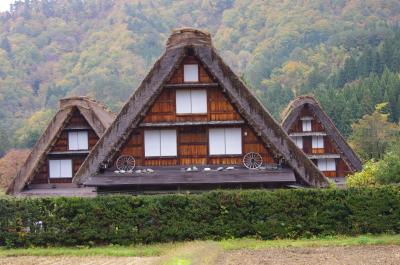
x: 198, y: 253
x: 95, y: 260
x: 353, y: 255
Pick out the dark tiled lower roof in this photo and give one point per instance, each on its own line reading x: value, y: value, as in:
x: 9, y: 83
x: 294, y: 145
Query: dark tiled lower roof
x: 177, y: 176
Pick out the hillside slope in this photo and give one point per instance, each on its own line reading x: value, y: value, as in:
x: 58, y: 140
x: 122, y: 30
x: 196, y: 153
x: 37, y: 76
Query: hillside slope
x: 55, y: 48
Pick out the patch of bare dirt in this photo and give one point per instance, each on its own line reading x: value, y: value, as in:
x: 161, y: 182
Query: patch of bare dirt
x: 354, y: 255
x: 63, y: 260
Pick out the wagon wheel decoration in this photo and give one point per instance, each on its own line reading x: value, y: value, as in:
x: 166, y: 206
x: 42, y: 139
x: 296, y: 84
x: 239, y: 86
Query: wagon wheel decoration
x: 252, y: 160
x: 125, y: 163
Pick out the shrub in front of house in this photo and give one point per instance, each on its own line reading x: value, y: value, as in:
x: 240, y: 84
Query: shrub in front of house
x: 213, y: 215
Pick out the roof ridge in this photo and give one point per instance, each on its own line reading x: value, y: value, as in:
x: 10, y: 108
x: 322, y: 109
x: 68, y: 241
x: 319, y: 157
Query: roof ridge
x: 91, y: 100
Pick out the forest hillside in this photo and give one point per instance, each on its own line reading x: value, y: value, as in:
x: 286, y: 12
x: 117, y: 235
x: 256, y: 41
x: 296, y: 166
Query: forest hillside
x: 346, y: 52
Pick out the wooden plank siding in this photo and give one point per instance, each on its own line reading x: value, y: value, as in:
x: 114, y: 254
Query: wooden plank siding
x: 218, y: 108
x: 192, y: 140
x: 329, y: 148
x: 61, y: 145
x: 193, y: 149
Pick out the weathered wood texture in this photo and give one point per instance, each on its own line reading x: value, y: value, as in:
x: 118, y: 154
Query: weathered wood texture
x: 97, y: 117
x: 192, y: 141
x: 43, y: 174
x: 342, y: 169
x: 189, y: 42
x: 218, y: 106
x: 193, y: 149
x: 297, y: 126
x: 308, y: 105
x: 76, y: 120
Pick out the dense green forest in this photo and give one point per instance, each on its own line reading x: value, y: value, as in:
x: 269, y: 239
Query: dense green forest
x: 345, y: 52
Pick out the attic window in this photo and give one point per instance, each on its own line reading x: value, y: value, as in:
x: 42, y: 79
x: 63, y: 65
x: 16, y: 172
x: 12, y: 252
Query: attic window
x: 225, y: 141
x: 191, y: 73
x: 306, y: 125
x: 327, y: 164
x: 190, y: 101
x: 78, y: 140
x: 60, y: 168
x: 160, y: 143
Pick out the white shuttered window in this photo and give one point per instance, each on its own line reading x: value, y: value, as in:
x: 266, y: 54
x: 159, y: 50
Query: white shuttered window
x: 317, y: 142
x: 191, y: 73
x: 327, y: 164
x: 60, y: 168
x: 160, y: 143
x: 306, y: 125
x: 191, y: 101
x: 78, y: 140
x: 225, y: 141
x: 298, y: 140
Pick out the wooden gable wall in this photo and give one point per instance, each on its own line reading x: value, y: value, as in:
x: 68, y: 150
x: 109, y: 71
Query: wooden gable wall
x: 61, y: 145
x: 329, y: 148
x: 192, y: 140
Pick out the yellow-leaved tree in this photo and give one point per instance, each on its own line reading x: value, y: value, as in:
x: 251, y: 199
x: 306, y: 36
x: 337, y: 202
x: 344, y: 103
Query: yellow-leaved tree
x: 374, y: 134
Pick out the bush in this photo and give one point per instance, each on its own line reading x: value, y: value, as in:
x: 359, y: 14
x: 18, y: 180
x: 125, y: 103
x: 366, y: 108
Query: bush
x: 385, y: 171
x: 213, y: 215
x: 366, y: 177
x: 389, y: 168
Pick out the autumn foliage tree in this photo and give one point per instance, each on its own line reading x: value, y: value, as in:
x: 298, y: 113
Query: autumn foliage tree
x: 10, y: 164
x: 374, y: 134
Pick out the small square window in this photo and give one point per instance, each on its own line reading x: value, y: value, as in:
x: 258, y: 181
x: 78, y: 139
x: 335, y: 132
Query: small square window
x: 78, y: 140
x: 191, y: 73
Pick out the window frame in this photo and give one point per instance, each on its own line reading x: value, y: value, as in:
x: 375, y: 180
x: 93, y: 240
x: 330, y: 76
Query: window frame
x: 60, y: 162
x: 325, y: 162
x: 320, y: 144
x: 296, y: 141
x: 160, y: 144
x: 78, y: 135
x: 225, y: 141
x: 306, y: 125
x: 198, y: 73
x: 189, y: 90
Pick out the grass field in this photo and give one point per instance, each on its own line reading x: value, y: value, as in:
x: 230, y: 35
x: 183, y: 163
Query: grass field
x: 313, y: 242
x: 191, y: 252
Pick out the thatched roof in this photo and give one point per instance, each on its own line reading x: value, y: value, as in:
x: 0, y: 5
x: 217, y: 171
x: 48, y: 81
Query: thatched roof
x: 292, y: 112
x: 198, y: 43
x: 96, y: 114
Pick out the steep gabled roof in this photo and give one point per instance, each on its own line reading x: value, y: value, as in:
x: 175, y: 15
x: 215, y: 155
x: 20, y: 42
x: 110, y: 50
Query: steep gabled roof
x: 96, y: 114
x: 292, y: 112
x: 198, y: 43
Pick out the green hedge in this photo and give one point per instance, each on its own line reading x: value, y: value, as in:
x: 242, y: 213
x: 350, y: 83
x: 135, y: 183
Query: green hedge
x: 213, y: 215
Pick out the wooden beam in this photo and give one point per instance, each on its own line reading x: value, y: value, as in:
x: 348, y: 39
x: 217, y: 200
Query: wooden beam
x: 70, y: 152
x: 192, y: 85
x: 190, y: 123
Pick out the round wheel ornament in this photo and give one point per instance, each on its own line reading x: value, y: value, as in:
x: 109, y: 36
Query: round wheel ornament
x: 252, y: 160
x: 125, y: 163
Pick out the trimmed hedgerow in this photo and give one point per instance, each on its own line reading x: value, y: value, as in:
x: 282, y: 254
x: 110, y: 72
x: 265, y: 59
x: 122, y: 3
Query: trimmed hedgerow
x: 213, y: 215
